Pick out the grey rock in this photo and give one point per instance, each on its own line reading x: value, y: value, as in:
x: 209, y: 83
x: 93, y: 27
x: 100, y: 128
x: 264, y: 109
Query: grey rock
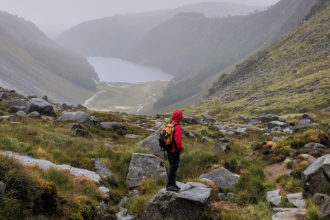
x: 316, y: 146
x: 296, y: 199
x: 65, y: 107
x: 289, y: 214
x: 283, y: 120
x: 233, y: 196
x: 118, y: 127
x: 221, y: 177
x: 102, y: 169
x: 81, y: 133
x: 307, y: 116
x: 310, y: 158
x: 109, y: 147
x: 274, y: 197
x: 268, y: 118
x: 16, y: 105
x: 288, y: 130
x: 274, y: 124
x: 105, y: 192
x: 40, y: 105
x: 151, y: 143
x: 7, y: 117
x: 80, y: 117
x: 102, y: 212
x: 323, y: 201
x: 303, y: 123
x: 204, y: 133
x: 222, y: 146
x: 187, y: 204
x: 315, y: 179
x: 193, y: 120
x: 1, y: 112
x: 240, y: 130
x: 75, y: 126
x: 143, y: 166
x: 35, y: 115
x: 4, y: 95
x: 49, y: 118
x: 21, y: 113
x: 208, y: 118
x: 222, y: 196
x: 2, y: 188
x: 325, y: 109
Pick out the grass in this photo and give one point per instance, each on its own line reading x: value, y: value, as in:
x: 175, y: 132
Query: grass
x: 290, y: 183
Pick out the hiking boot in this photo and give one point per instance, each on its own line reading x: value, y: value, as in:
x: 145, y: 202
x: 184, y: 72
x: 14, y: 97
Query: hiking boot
x: 173, y: 189
x: 177, y: 187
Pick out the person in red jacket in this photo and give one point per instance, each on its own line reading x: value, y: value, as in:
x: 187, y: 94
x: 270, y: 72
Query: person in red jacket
x: 174, y: 154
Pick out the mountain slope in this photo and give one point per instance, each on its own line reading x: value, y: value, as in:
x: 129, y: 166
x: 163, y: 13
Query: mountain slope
x: 116, y: 36
x: 35, y: 65
x: 291, y: 75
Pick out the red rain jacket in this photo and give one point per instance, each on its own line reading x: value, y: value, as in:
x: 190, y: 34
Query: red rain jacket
x: 177, y: 116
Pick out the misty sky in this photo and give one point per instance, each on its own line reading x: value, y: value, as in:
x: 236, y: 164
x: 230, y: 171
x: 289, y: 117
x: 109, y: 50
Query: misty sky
x: 61, y: 14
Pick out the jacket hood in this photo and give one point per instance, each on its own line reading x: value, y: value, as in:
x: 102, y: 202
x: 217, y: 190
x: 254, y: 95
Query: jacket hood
x: 177, y: 116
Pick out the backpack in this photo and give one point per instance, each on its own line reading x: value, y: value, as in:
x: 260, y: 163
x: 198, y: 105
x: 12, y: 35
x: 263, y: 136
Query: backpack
x: 166, y: 137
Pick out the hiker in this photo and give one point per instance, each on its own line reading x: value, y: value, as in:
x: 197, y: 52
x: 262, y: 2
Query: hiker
x: 174, y: 153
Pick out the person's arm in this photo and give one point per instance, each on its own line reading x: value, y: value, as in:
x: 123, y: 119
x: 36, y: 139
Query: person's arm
x: 178, y: 138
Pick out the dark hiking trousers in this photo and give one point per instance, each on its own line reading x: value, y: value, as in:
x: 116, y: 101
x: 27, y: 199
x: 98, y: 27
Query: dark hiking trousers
x: 173, y: 159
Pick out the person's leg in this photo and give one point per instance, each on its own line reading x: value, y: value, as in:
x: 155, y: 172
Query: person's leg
x: 171, y: 160
x: 176, y: 161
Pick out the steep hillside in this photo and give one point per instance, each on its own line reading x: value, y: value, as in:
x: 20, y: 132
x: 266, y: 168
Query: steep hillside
x: 116, y: 36
x: 193, y: 45
x: 35, y: 65
x: 291, y: 75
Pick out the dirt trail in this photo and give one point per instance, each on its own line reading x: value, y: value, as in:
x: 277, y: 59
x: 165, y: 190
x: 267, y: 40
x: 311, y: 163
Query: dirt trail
x: 274, y: 170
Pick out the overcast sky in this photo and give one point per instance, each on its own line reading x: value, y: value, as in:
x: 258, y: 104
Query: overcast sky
x: 59, y: 14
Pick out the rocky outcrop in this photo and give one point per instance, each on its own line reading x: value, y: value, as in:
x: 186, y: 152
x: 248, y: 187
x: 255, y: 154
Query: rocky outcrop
x: 274, y: 124
x: 296, y: 199
x: 81, y: 133
x: 102, y: 169
x: 323, y: 201
x: 21, y: 113
x: 143, y: 166
x: 118, y: 127
x: 208, y: 118
x: 184, y: 205
x: 193, y: 120
x: 221, y: 177
x: 289, y: 214
x: 35, y: 115
x: 303, y: 123
x: 151, y: 143
x: 274, y: 197
x: 16, y: 105
x: 40, y: 105
x: 80, y: 117
x: 315, y: 179
x: 268, y: 118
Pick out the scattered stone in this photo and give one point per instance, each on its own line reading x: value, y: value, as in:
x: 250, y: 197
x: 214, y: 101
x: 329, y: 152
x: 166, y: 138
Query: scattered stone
x: 40, y: 105
x: 49, y: 118
x: 307, y: 116
x: 1, y: 112
x: 105, y: 192
x: 80, y: 117
x: 102, y: 212
x: 151, y: 143
x: 233, y: 196
x: 274, y: 197
x: 221, y: 146
x: 65, y: 107
x: 16, y: 105
x: 2, y: 188
x: 222, y: 196
x: 133, y: 136
x: 289, y: 214
x: 268, y: 118
x: 208, y: 118
x: 81, y: 133
x: 204, y: 133
x: 102, y: 169
x: 221, y: 177
x: 193, y: 120
x: 109, y: 147
x: 21, y: 113
x: 325, y: 109
x: 288, y: 130
x: 315, y: 179
x: 274, y: 124
x: 143, y: 166
x: 303, y: 123
x: 240, y: 130
x: 7, y: 117
x: 323, y: 201
x: 187, y: 204
x: 296, y: 199
x: 317, y: 146
x: 34, y: 115
x: 310, y: 158
x: 118, y: 127
x: 4, y: 95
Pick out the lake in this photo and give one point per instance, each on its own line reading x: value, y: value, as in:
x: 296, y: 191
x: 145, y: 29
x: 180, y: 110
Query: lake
x: 117, y: 70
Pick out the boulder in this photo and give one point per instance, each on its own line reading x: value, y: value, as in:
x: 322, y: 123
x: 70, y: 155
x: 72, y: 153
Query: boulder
x: 4, y: 95
x: 81, y: 133
x: 65, y: 107
x: 7, y: 117
x: 315, y: 179
x: 80, y: 117
x: 323, y: 201
x: 274, y: 124
x: 208, y: 118
x: 21, y: 113
x: 233, y: 196
x: 221, y: 146
x: 118, y: 127
x: 102, y: 169
x: 187, y: 204
x: 151, y: 143
x: 303, y: 123
x: 274, y: 197
x: 105, y: 192
x: 75, y: 126
x: 296, y: 199
x: 289, y: 214
x: 193, y: 120
x: 268, y: 118
x: 35, y: 115
x: 2, y: 188
x: 317, y: 146
x: 240, y: 130
x: 221, y: 177
x: 143, y: 166
x: 16, y: 105
x: 40, y: 105
x: 310, y: 158
x: 222, y: 196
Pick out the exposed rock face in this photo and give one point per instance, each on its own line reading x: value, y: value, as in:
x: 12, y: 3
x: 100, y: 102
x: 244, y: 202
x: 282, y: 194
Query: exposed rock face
x: 289, y: 214
x: 118, y: 127
x: 303, y: 123
x: 268, y: 118
x: 274, y: 124
x: 208, y: 118
x: 274, y: 197
x: 16, y: 105
x: 81, y: 133
x: 315, y: 179
x: 21, y: 113
x: 296, y: 199
x: 102, y: 169
x: 143, y: 166
x: 185, y: 205
x: 324, y: 202
x: 40, y: 105
x: 222, y: 177
x: 80, y: 117
x: 151, y: 143
x: 35, y: 115
x: 193, y: 120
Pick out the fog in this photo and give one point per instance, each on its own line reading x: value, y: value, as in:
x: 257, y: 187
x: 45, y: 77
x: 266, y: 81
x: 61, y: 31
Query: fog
x: 53, y: 16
